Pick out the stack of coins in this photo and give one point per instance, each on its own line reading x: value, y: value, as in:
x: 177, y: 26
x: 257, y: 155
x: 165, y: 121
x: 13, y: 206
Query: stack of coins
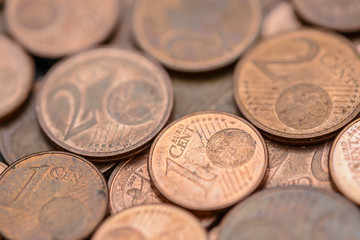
x: 179, y: 119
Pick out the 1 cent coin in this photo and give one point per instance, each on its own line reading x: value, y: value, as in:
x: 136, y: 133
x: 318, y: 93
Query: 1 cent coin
x: 3, y: 166
x: 54, y: 28
x: 292, y: 213
x: 51, y: 195
x: 299, y: 87
x: 16, y: 76
x: 196, y: 36
x: 345, y: 161
x: 342, y: 16
x: 208, y: 161
x: 153, y: 221
x: 105, y: 103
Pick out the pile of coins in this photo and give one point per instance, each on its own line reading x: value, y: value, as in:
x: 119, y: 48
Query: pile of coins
x: 179, y: 119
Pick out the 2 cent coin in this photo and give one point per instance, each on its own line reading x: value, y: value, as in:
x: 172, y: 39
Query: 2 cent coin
x: 208, y: 161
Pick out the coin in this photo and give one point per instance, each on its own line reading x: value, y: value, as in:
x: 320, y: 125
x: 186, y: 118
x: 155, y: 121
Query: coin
x: 281, y: 18
x: 214, y: 233
x: 105, y: 103
x: 54, y: 28
x: 342, y: 16
x: 299, y: 87
x: 3, y: 166
x: 292, y: 213
x: 298, y: 165
x: 207, y: 161
x: 51, y: 195
x: 196, y: 36
x: 357, y: 44
x: 344, y: 161
x: 16, y: 76
x: 153, y: 221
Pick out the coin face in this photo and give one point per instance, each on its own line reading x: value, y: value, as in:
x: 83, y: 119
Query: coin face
x: 299, y: 87
x: 153, y: 221
x: 208, y: 161
x: 16, y: 76
x: 3, y: 166
x: 298, y: 165
x: 344, y: 163
x: 51, y: 195
x: 342, y: 16
x: 292, y: 213
x: 104, y: 103
x: 54, y: 28
x: 196, y: 35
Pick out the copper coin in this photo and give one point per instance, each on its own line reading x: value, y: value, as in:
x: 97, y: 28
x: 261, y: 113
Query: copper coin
x: 51, y: 195
x: 300, y: 86
x: 196, y: 35
x: 342, y: 16
x: 105, y: 103
x: 3, y: 166
x: 292, y: 213
x: 281, y: 18
x: 16, y: 76
x: 298, y: 165
x: 153, y: 221
x: 344, y: 161
x: 54, y: 28
x: 208, y: 161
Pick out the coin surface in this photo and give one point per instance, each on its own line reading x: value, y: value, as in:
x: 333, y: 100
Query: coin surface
x: 207, y: 161
x: 54, y: 28
x: 342, y: 16
x: 3, y: 166
x: 196, y: 36
x: 16, y: 76
x: 298, y: 165
x: 292, y: 213
x: 344, y: 161
x: 105, y: 103
x: 51, y: 195
x: 153, y: 221
x: 300, y: 86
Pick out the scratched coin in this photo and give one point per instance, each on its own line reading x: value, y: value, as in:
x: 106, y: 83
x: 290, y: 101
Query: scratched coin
x: 54, y: 28
x: 106, y: 103
x: 342, y: 16
x: 196, y: 35
x: 300, y: 86
x: 208, y: 161
x: 3, y: 166
x: 51, y: 195
x: 16, y: 76
x: 155, y: 221
x: 345, y: 161
x: 298, y: 165
x: 292, y: 213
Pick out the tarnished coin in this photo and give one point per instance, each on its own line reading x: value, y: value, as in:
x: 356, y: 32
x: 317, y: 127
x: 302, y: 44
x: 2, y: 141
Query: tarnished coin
x: 153, y: 221
x: 54, y: 28
x: 300, y: 86
x: 51, y: 195
x: 16, y: 76
x: 196, y: 35
x: 3, y: 166
x: 105, y: 103
x: 292, y: 213
x: 345, y: 161
x: 208, y: 161
x: 342, y: 16
x: 298, y: 165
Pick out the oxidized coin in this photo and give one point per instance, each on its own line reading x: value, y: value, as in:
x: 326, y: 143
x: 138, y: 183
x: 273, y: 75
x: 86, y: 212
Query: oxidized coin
x: 51, y: 195
x: 105, y: 103
x: 2, y: 167
x: 196, y: 35
x: 208, y: 161
x: 54, y: 28
x: 342, y: 16
x: 345, y: 162
x: 152, y: 221
x: 292, y: 213
x: 298, y: 165
x: 16, y: 76
x: 299, y: 87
